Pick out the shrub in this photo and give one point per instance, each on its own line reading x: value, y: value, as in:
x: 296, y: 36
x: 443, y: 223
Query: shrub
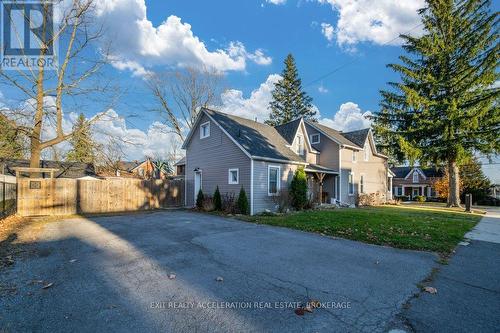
x: 371, y: 199
x: 420, y: 198
x: 282, y: 200
x: 229, y: 203
x: 217, y: 199
x: 243, y: 202
x: 199, y: 199
x: 298, y: 189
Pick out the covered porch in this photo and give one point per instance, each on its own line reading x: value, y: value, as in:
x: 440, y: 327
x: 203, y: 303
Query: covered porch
x: 322, y: 183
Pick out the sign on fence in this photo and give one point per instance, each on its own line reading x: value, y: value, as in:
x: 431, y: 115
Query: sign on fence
x: 62, y: 196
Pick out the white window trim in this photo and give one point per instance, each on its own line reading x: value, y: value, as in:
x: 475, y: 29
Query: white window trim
x: 349, y: 184
x: 362, y: 176
x: 230, y: 179
x: 313, y: 135
x: 201, y: 130
x: 278, y: 183
x: 298, y: 151
x: 354, y: 157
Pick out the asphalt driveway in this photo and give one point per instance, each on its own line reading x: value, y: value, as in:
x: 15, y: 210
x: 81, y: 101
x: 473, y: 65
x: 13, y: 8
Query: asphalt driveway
x: 115, y: 274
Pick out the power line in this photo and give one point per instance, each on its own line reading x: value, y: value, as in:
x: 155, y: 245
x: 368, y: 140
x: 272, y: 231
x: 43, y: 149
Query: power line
x: 356, y: 59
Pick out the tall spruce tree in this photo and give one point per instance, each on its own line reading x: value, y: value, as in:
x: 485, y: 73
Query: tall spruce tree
x: 446, y: 106
x: 82, y: 143
x: 289, y: 100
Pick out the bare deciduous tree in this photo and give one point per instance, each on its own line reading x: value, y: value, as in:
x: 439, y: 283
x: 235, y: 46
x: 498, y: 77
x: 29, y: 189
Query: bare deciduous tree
x: 76, y: 34
x: 181, y: 94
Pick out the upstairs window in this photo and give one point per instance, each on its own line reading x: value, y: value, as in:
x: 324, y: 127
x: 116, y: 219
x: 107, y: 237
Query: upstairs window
x: 300, y: 145
x: 234, y: 177
x: 205, y: 130
x: 415, y: 176
x: 315, y: 138
x: 354, y: 156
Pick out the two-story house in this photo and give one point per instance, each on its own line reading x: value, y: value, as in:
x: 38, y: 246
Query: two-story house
x: 233, y: 152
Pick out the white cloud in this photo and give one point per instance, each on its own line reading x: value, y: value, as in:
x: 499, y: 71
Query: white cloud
x: 172, y: 43
x: 349, y: 117
x: 256, y: 106
x: 276, y: 2
x: 327, y: 31
x: 157, y: 140
x: 380, y: 23
x: 322, y: 89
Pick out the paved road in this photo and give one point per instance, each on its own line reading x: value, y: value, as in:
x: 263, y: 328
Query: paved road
x: 107, y: 272
x: 468, y: 298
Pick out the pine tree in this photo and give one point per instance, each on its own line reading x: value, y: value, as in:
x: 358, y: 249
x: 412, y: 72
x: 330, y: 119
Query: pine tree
x: 298, y: 189
x: 82, y: 144
x: 289, y: 100
x: 242, y: 202
x: 474, y: 181
x: 217, y: 199
x: 446, y: 106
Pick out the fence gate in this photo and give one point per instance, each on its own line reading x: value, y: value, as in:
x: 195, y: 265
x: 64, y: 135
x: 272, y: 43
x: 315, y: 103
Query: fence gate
x: 7, y: 195
x: 63, y: 196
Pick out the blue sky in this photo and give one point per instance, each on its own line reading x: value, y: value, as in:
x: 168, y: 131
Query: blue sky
x: 247, y: 41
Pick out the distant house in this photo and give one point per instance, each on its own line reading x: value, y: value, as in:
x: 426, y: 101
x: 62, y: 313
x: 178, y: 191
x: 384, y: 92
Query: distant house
x: 146, y: 169
x: 232, y: 152
x: 180, y: 167
x: 410, y: 182
x: 75, y: 170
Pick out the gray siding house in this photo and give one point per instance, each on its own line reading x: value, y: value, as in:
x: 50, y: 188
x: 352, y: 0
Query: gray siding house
x: 233, y: 152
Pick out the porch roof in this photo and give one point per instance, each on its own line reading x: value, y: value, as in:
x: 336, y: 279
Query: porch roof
x: 320, y: 169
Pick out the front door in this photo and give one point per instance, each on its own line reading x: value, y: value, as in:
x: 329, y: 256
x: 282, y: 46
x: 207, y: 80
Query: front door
x: 415, y: 192
x: 197, y: 183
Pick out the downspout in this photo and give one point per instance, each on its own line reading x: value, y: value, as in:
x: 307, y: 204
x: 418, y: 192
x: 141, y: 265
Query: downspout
x: 340, y: 173
x: 251, y: 186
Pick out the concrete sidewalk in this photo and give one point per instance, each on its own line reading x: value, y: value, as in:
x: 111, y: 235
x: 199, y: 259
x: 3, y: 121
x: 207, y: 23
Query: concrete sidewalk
x: 468, y: 297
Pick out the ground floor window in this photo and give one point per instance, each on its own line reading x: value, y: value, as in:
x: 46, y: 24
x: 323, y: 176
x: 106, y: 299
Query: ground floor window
x: 362, y: 184
x: 351, y: 184
x: 233, y: 176
x: 273, y: 177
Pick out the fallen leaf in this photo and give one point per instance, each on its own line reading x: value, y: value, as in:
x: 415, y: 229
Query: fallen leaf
x: 172, y: 276
x: 430, y: 290
x: 219, y: 279
x: 48, y: 285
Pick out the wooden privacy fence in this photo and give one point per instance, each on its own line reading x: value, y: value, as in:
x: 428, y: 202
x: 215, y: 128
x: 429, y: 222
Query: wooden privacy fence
x: 62, y: 196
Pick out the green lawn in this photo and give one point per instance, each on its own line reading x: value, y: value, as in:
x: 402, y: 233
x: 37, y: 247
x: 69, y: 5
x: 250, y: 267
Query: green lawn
x: 407, y: 228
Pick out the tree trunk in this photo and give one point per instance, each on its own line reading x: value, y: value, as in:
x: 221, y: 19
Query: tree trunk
x: 36, y: 134
x: 453, y: 184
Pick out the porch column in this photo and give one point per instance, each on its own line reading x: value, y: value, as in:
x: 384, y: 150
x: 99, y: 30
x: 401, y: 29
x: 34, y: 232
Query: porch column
x: 321, y: 177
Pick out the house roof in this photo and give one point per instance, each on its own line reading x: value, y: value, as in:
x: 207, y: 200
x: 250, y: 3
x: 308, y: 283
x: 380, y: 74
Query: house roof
x: 182, y: 161
x: 358, y: 137
x: 319, y: 168
x: 259, y: 140
x: 333, y: 134
x: 402, y: 172
x: 65, y: 169
x: 288, y: 130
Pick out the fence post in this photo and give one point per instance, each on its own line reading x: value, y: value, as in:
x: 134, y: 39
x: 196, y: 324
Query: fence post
x: 4, y: 205
x: 468, y: 203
